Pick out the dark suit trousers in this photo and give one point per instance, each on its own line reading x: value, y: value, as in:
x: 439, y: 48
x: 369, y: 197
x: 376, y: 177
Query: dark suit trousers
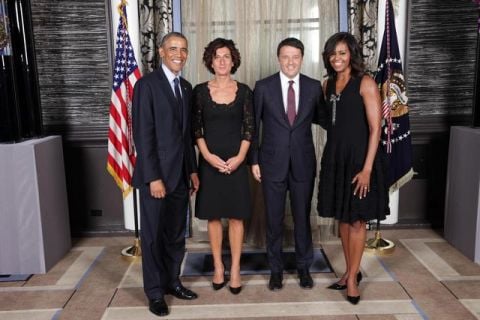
x: 300, y: 200
x: 163, y: 223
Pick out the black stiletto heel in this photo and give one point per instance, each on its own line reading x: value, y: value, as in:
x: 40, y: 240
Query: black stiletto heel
x: 235, y: 290
x: 337, y: 286
x: 359, y: 277
x: 353, y: 299
x: 218, y: 286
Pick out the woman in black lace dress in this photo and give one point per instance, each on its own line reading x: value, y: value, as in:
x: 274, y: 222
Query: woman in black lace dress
x: 353, y: 185
x: 223, y: 128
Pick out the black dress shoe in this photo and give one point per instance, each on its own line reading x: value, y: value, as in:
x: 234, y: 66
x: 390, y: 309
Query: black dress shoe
x: 235, y: 290
x: 337, y: 286
x: 183, y: 293
x: 158, y: 307
x: 275, y: 282
x: 306, y: 281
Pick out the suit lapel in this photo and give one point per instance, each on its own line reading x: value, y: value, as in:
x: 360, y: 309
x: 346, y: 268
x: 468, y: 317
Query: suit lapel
x: 302, y: 111
x: 166, y: 88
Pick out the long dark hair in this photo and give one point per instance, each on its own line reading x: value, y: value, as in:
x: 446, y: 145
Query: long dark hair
x: 356, y: 61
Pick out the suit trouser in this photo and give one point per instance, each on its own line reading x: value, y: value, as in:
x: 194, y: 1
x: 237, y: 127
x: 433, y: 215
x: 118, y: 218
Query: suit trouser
x: 300, y: 202
x: 163, y: 223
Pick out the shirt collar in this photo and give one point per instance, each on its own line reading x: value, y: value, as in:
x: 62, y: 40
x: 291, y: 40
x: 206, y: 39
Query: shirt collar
x: 169, y: 74
x: 284, y: 79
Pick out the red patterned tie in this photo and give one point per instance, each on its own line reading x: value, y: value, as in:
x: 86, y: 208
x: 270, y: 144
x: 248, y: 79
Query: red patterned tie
x: 291, y: 113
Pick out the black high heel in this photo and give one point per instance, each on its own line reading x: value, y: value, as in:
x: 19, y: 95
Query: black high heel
x: 353, y: 299
x: 359, y: 277
x: 235, y: 290
x: 337, y: 286
x: 218, y: 286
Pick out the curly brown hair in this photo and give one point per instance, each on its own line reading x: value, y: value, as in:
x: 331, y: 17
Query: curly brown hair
x: 211, y: 50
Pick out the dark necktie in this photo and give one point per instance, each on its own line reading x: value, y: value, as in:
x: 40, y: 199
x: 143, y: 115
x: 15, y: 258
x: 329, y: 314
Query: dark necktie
x: 178, y: 95
x: 291, y: 113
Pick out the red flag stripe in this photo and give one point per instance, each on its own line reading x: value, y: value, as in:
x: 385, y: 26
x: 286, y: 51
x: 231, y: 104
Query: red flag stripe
x: 121, y: 156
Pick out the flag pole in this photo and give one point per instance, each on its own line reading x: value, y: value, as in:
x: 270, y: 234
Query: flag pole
x: 378, y: 245
x: 121, y: 149
x: 134, y: 252
x: 390, y: 58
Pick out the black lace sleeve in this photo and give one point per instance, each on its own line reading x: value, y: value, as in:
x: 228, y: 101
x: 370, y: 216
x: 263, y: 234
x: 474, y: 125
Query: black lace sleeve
x: 197, y: 112
x: 248, y: 127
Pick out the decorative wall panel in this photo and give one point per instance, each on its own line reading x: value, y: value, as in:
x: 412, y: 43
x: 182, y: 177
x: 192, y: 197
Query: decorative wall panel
x: 73, y: 55
x: 441, y: 58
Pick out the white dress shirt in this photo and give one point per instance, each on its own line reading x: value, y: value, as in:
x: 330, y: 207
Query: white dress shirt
x: 170, y: 77
x: 296, y: 87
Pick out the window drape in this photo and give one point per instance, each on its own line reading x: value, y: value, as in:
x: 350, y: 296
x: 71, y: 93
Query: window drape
x: 362, y: 23
x: 155, y: 22
x: 257, y: 26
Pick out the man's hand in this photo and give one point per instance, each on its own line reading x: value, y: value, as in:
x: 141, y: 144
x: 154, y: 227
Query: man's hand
x: 195, y: 183
x: 256, y: 172
x: 157, y: 189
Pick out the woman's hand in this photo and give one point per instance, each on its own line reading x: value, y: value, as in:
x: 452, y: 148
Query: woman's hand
x: 362, y: 180
x: 233, y: 163
x: 217, y: 162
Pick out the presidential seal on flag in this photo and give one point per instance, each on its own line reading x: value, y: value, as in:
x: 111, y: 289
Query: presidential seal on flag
x: 395, y: 137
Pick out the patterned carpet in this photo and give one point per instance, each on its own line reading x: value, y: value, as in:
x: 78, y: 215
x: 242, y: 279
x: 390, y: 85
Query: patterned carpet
x: 425, y: 278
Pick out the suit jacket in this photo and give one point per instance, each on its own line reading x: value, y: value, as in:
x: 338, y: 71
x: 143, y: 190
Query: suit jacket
x: 282, y: 147
x: 161, y: 134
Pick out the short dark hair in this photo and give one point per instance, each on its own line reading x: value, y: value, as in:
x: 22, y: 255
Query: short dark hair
x: 171, y: 35
x: 356, y: 59
x: 211, y: 50
x: 291, y: 42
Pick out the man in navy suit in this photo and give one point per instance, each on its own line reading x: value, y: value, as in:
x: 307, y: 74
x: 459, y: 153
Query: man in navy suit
x: 286, y: 103
x: 165, y: 165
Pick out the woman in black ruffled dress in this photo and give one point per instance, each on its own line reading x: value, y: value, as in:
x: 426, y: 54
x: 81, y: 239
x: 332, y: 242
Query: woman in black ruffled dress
x: 353, y: 178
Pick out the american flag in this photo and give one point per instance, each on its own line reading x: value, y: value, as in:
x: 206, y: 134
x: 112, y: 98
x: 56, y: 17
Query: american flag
x: 121, y: 151
x: 396, y: 139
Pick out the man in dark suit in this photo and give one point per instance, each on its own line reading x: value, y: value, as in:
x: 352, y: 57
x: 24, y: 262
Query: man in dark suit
x: 286, y: 103
x: 165, y: 164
